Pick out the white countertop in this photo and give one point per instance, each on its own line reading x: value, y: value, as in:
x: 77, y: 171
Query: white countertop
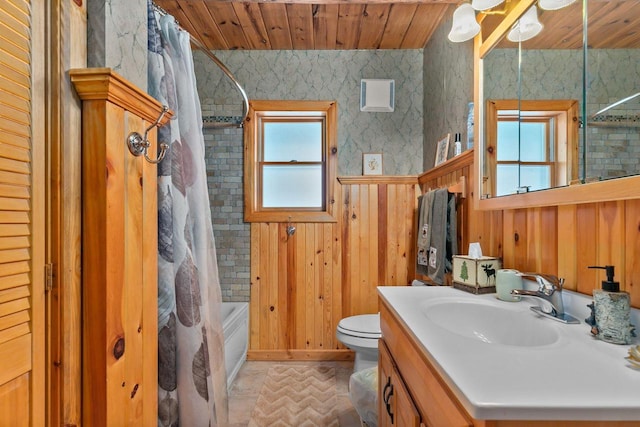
x: 577, y: 377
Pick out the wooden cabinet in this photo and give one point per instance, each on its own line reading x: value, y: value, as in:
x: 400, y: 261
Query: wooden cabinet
x: 119, y: 263
x: 435, y: 404
x: 395, y: 405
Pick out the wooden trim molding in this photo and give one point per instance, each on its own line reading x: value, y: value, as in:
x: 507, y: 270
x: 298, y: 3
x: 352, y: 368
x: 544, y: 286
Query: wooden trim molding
x: 106, y: 84
x: 601, y: 191
x: 254, y: 212
x: 448, y: 167
x: 300, y: 354
x: 379, y: 179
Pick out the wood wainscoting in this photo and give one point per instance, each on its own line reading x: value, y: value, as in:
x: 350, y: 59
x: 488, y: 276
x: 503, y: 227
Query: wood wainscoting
x: 565, y: 240
x: 302, y: 285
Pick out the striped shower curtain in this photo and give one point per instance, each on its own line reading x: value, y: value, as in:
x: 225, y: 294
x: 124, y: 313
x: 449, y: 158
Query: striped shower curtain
x: 192, y: 389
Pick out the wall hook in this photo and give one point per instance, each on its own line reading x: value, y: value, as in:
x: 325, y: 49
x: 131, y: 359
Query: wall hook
x: 139, y: 144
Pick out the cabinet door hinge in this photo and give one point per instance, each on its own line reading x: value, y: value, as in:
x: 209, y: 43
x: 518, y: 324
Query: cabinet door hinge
x: 48, y: 277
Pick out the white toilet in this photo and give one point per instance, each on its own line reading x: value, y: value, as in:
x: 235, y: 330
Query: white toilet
x: 360, y: 334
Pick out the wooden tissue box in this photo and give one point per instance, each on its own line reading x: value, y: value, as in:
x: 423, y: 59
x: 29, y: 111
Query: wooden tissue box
x: 475, y: 275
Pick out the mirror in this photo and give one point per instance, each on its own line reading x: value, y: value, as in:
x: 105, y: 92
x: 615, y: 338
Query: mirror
x: 549, y: 67
x: 534, y: 145
x: 613, y: 90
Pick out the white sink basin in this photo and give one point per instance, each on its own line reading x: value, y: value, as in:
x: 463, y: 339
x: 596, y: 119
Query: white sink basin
x: 490, y: 323
x: 534, y: 369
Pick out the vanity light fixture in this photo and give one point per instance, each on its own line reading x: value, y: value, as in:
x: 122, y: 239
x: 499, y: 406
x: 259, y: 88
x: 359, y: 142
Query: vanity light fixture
x: 527, y: 27
x: 465, y: 26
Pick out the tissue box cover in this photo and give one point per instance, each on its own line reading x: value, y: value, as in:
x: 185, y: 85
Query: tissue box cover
x: 475, y: 272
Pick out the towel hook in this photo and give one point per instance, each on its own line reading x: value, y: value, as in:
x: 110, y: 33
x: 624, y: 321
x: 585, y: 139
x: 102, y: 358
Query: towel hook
x: 290, y: 228
x: 139, y: 145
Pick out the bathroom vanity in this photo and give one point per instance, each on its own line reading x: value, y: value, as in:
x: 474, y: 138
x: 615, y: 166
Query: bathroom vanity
x: 450, y: 358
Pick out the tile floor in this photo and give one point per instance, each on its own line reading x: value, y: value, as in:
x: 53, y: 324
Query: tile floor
x: 246, y: 387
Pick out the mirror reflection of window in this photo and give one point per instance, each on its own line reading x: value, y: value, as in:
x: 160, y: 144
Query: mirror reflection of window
x: 528, y: 165
x: 531, y: 145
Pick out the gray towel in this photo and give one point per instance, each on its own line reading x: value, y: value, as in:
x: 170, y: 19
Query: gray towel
x: 452, y: 234
x: 424, y: 214
x: 437, y: 241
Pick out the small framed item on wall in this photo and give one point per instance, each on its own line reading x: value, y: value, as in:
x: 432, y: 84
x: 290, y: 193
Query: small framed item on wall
x: 442, y: 149
x: 372, y: 164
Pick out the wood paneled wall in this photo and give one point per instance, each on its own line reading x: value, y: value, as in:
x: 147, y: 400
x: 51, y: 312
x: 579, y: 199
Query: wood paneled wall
x: 302, y: 285
x: 565, y: 240
x: 561, y: 240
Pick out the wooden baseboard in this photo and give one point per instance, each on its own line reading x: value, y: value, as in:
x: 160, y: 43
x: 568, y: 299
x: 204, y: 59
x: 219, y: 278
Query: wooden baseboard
x: 277, y: 355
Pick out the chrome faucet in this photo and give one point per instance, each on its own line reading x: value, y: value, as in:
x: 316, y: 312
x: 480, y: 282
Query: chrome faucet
x: 549, y: 290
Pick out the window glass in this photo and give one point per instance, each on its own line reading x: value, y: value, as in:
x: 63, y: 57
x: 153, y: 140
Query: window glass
x: 292, y: 186
x: 536, y: 177
x: 508, y: 141
x: 507, y: 179
x: 286, y: 141
x: 533, y: 146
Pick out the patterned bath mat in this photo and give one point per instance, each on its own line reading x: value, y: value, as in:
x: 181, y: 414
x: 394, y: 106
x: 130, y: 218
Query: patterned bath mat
x: 297, y: 396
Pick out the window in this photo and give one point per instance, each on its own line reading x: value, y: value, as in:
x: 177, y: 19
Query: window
x: 290, y: 161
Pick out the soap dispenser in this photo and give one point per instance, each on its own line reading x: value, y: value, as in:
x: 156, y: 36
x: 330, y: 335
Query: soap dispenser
x: 611, y: 311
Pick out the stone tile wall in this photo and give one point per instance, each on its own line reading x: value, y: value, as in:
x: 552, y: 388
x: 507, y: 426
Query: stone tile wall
x: 224, y: 162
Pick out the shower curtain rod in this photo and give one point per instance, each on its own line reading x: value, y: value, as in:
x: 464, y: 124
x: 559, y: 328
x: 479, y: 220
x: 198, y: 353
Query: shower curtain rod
x: 221, y: 65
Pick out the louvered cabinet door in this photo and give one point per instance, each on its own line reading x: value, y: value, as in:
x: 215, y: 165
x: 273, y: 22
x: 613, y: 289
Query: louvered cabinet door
x: 21, y: 216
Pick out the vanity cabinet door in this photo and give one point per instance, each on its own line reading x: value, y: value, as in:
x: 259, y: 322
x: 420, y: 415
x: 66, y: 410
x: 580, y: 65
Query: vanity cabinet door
x: 385, y: 367
x: 436, y: 403
x: 395, y: 406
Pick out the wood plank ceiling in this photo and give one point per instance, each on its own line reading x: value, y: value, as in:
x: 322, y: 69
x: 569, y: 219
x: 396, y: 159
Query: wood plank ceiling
x: 308, y: 25
x: 380, y: 24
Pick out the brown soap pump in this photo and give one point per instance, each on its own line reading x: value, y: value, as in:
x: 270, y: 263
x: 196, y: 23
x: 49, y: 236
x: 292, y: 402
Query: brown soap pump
x: 612, y: 311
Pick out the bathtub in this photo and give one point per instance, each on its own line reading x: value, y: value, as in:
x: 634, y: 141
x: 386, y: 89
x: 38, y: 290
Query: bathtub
x: 235, y: 327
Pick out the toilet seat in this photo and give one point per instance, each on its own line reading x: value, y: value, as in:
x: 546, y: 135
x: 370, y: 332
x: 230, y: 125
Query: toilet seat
x: 366, y: 326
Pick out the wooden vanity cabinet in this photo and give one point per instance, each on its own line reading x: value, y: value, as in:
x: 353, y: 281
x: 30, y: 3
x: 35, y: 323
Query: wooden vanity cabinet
x: 412, y: 376
x: 395, y: 406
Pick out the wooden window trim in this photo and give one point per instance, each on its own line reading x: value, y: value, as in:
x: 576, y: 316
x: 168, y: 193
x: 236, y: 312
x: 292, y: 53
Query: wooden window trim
x: 252, y: 193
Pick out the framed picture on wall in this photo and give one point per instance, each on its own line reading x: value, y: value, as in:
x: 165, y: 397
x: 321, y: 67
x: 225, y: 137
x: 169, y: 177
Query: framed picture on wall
x: 442, y: 149
x: 372, y: 164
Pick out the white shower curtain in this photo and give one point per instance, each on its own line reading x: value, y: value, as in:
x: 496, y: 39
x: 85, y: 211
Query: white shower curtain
x: 192, y: 389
